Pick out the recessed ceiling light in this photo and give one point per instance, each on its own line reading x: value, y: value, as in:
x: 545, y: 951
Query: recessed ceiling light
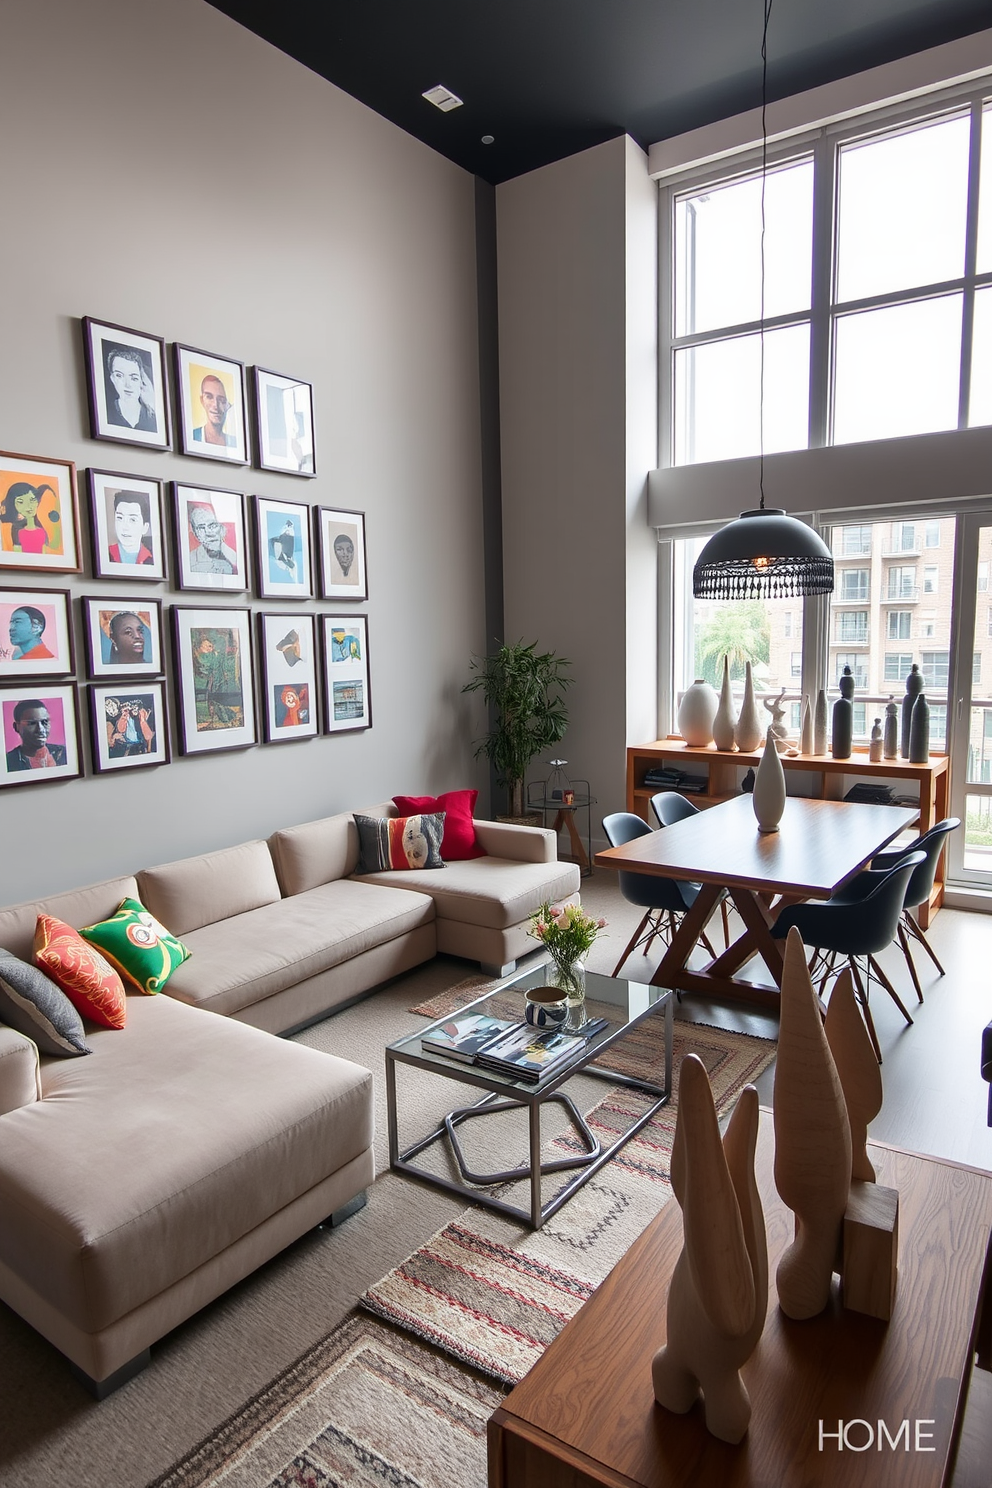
x: 442, y: 98
x: 488, y: 139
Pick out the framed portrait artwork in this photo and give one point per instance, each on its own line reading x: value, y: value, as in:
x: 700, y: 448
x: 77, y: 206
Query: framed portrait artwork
x: 287, y: 644
x: 128, y: 389
x: 123, y: 636
x: 130, y: 726
x: 126, y: 526
x: 212, y: 418
x: 211, y: 549
x: 282, y: 543
x: 40, y: 727
x: 215, y: 691
x: 284, y: 420
x: 341, y: 545
x: 347, y: 679
x: 35, y: 633
x: 39, y: 520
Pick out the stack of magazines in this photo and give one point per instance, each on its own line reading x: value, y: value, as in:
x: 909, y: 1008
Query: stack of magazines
x: 510, y: 1048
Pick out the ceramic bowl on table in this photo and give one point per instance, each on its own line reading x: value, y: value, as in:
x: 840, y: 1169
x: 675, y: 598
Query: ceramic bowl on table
x: 545, y: 1007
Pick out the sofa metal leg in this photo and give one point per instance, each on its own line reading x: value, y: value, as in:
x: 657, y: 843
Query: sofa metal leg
x: 100, y: 1389
x: 347, y: 1210
x: 490, y: 970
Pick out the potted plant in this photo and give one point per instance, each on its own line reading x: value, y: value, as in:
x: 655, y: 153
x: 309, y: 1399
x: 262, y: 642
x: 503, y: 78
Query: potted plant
x: 524, y: 689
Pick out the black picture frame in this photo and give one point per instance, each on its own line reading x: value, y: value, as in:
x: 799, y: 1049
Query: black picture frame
x: 347, y: 677
x: 47, y: 622
x: 283, y: 567
x: 99, y: 613
x: 111, y: 755
x: 333, y: 526
x: 284, y: 434
x: 140, y: 500
x: 224, y: 711
x: 57, y: 698
x: 125, y: 372
x: 210, y: 394
x: 288, y: 658
x: 226, y: 569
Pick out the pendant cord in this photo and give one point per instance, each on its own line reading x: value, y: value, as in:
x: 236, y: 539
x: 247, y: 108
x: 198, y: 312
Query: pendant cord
x: 761, y: 333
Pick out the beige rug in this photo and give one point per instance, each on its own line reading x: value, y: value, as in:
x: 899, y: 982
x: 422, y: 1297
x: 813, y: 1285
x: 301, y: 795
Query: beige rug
x: 367, y: 1407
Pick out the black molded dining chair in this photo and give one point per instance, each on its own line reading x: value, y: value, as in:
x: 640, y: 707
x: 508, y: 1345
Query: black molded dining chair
x: 918, y: 889
x: 665, y: 900
x: 858, y: 929
x: 670, y: 807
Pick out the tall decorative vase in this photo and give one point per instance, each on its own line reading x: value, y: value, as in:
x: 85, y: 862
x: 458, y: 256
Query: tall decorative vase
x: 842, y: 736
x: 806, y: 732
x: 697, y: 711
x: 919, y: 731
x: 723, y: 723
x: 747, y: 730
x: 914, y: 686
x: 768, y: 796
x: 890, y: 736
x: 820, y: 723
x: 875, y: 744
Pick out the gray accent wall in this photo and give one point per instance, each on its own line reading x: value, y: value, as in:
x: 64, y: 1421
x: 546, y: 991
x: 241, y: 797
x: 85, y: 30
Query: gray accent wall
x: 578, y: 411
x: 165, y: 169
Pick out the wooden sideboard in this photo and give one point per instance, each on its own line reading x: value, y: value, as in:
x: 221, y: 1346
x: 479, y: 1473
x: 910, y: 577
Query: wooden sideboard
x: 585, y: 1414
x: 826, y: 781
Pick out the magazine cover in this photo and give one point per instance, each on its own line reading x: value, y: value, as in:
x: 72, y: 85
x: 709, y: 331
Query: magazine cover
x: 463, y: 1037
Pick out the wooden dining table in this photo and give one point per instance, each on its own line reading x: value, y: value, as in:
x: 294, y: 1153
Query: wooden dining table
x: 819, y: 847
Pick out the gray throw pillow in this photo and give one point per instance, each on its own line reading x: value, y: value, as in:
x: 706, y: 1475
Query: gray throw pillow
x: 34, y: 1006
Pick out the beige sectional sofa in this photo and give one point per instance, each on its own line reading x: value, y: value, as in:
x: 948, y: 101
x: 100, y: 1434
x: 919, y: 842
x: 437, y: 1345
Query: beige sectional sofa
x: 140, y: 1182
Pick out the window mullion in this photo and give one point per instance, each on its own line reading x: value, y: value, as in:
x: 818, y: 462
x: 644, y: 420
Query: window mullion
x: 819, y: 340
x: 970, y: 263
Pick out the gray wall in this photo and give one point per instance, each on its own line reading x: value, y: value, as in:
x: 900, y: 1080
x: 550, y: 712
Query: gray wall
x: 578, y: 409
x: 164, y: 169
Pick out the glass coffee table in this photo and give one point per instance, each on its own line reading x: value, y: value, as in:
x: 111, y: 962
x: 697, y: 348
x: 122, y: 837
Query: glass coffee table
x: 624, y: 1004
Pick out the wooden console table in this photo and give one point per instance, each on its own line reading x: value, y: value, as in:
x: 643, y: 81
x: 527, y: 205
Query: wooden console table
x: 585, y: 1414
x: 826, y: 783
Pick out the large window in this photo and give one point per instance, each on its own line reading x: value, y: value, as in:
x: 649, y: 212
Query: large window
x: 878, y: 321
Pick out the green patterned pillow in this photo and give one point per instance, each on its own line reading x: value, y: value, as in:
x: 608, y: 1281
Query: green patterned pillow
x: 139, y: 947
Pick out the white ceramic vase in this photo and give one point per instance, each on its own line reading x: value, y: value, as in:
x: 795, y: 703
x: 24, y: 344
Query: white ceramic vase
x: 806, y: 732
x: 820, y: 724
x: 768, y: 796
x: 697, y: 711
x: 747, y: 730
x: 723, y: 723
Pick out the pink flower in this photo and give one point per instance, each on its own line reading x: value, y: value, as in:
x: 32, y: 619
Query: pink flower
x: 600, y: 924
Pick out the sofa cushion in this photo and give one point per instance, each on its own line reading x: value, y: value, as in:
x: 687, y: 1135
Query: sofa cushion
x: 494, y: 892
x: 90, y: 983
x: 137, y: 946
x: 255, y: 955
x: 185, y: 1132
x: 317, y: 852
x: 77, y: 907
x: 32, y: 1003
x: 401, y: 842
x: 20, y: 1077
x: 459, y: 841
x: 216, y: 886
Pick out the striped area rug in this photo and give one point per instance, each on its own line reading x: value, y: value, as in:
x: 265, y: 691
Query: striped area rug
x: 493, y: 1293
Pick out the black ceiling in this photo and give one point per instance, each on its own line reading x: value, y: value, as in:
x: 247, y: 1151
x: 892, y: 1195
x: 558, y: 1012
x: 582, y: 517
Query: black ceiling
x: 548, y: 77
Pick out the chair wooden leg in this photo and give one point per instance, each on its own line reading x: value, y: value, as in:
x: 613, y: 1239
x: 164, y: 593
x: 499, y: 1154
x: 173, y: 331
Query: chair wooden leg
x: 880, y: 974
x: 726, y: 924
x: 904, y: 942
x: 859, y: 988
x: 914, y: 929
x: 632, y: 942
x: 707, y: 943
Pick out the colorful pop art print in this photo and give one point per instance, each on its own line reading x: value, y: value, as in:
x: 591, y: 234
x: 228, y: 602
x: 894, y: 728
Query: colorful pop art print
x: 130, y: 726
x: 40, y: 734
x: 341, y: 546
x: 284, y: 420
x: 128, y: 388
x: 289, y: 676
x: 123, y: 636
x: 35, y: 633
x: 212, y: 413
x: 347, y: 676
x: 126, y: 526
x: 215, y: 689
x: 39, y: 526
x: 211, y: 550
x: 282, y: 545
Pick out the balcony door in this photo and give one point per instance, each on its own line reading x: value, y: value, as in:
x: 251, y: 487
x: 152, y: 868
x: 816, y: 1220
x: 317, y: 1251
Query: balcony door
x: 970, y: 850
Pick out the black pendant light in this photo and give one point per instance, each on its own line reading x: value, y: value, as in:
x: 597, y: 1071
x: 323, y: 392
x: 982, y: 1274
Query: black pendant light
x: 765, y: 554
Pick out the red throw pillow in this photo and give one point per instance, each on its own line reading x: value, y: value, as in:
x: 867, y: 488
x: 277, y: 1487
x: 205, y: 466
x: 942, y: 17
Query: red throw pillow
x: 90, y: 983
x: 459, y: 841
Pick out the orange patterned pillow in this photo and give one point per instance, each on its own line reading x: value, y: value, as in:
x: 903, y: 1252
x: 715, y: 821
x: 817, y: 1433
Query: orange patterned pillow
x: 90, y: 983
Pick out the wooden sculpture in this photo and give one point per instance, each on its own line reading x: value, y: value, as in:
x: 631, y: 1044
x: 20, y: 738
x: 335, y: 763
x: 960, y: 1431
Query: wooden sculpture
x: 812, y: 1141
x: 858, y: 1068
x: 719, y: 1289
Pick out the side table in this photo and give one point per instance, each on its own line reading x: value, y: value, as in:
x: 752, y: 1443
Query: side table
x: 564, y: 816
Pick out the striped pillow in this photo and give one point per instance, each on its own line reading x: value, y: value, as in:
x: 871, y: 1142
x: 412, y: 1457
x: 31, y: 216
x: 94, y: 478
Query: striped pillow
x: 399, y: 842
